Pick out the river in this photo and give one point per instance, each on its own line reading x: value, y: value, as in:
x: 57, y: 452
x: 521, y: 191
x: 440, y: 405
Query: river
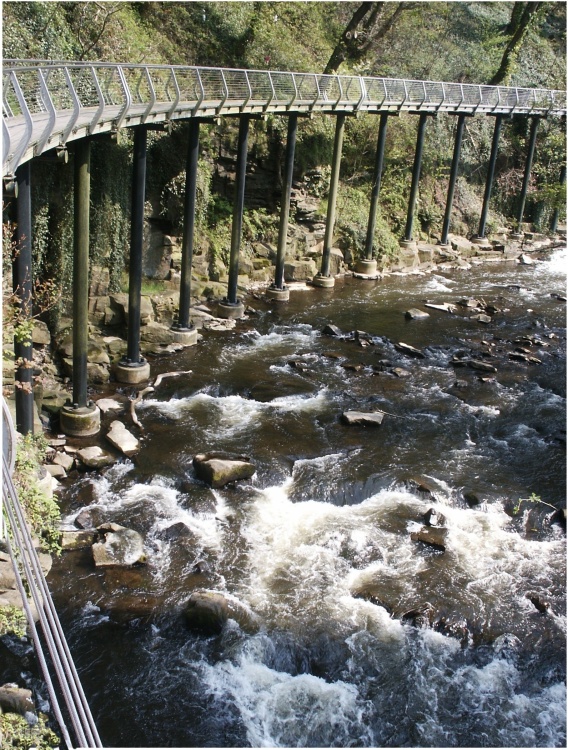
x: 356, y: 635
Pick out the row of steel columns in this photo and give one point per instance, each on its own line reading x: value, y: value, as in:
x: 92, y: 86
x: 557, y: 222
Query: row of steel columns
x: 82, y: 416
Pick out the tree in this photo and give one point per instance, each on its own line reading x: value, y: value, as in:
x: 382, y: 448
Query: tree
x: 368, y: 24
x: 520, y: 23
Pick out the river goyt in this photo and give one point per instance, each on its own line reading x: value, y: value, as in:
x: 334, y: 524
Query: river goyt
x: 350, y: 632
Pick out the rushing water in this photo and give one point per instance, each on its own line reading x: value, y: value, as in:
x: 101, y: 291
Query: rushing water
x: 316, y: 550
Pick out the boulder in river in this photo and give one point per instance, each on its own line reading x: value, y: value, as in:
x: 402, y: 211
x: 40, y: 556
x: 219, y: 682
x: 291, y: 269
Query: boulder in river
x: 412, y: 351
x: 122, y: 439
x: 208, y: 611
x: 94, y: 457
x: 372, y: 419
x: 433, y: 518
x: 331, y: 330
x: 420, y: 617
x: 433, y: 536
x: 415, y: 314
x: 219, y: 469
x: 118, y: 547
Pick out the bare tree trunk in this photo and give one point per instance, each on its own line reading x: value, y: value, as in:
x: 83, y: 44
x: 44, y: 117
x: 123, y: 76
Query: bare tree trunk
x: 348, y: 38
x: 513, y: 47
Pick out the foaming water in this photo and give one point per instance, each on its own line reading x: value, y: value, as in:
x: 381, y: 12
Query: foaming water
x: 344, y: 628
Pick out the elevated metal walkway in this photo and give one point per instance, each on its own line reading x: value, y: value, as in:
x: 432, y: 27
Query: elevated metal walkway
x: 47, y: 104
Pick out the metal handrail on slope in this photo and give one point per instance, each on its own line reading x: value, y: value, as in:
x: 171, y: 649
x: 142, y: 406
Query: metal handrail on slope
x: 97, y: 97
x: 27, y: 566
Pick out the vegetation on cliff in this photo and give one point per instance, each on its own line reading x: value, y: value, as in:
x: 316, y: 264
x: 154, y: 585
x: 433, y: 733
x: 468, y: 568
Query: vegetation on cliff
x: 517, y: 43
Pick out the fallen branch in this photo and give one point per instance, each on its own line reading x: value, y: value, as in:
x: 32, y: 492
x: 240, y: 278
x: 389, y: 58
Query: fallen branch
x: 151, y: 389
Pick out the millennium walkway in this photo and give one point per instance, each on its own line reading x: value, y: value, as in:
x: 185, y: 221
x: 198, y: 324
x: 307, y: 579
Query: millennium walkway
x: 49, y: 104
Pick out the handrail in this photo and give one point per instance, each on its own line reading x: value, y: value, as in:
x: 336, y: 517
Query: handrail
x: 108, y: 104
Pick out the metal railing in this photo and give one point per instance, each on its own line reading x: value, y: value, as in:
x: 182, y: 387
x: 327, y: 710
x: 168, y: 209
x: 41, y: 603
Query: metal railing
x: 33, y: 588
x: 46, y: 104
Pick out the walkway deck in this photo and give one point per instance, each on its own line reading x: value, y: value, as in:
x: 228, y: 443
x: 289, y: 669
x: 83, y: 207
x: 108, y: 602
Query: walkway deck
x: 49, y: 104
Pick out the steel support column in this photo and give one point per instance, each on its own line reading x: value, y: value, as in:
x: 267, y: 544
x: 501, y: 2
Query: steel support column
x: 490, y: 176
x: 527, y: 173
x: 323, y: 278
x: 22, y: 285
x: 82, y: 417
x: 82, y: 197
x: 238, y: 207
x: 285, y: 202
x: 453, y: 177
x: 556, y: 214
x: 136, y: 241
x: 415, y: 177
x: 183, y: 322
x: 379, y: 160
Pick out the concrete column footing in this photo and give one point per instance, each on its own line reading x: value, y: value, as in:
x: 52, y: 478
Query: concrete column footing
x: 367, y: 267
x: 80, y: 421
x: 444, y: 245
x: 279, y: 295
x: 323, y: 282
x: 185, y: 336
x: 480, y: 240
x: 132, y: 374
x: 517, y: 236
x: 230, y: 310
x: 408, y: 244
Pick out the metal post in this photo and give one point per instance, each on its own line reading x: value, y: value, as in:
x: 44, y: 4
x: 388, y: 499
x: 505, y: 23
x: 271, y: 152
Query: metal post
x: 188, y: 225
x: 379, y: 159
x: 136, y: 240
x: 453, y: 177
x: 22, y: 286
x: 490, y: 175
x: 238, y: 207
x: 82, y: 190
x: 527, y: 174
x: 323, y: 278
x: 285, y: 203
x: 556, y: 214
x: 415, y: 177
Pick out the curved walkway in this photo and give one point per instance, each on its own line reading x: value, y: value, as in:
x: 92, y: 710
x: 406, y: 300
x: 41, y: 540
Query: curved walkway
x: 47, y: 104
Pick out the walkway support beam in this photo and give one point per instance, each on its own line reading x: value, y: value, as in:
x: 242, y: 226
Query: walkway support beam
x: 490, y: 176
x: 82, y: 417
x: 136, y: 241
x: 323, y: 278
x: 82, y: 197
x: 183, y: 326
x: 285, y: 202
x: 377, y: 176
x: 231, y: 307
x: 22, y: 286
x: 527, y: 173
x: 415, y: 177
x: 453, y: 177
x: 133, y: 368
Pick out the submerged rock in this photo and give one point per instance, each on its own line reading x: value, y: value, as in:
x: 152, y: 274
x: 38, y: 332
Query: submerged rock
x: 331, y: 330
x: 119, y: 547
x: 372, y: 419
x: 415, y: 314
x: 540, y: 604
x: 420, y: 617
x: 410, y: 350
x: 219, y: 469
x: 208, y: 612
x: 433, y: 536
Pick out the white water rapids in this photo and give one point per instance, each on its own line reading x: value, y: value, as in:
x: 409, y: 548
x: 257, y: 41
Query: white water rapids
x: 317, y: 550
